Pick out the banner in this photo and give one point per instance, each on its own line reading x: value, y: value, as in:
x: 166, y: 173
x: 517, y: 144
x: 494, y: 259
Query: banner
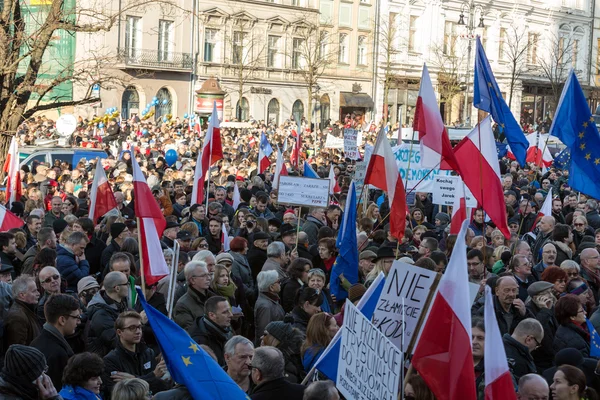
x: 369, y: 363
x: 350, y: 144
x: 360, y: 171
x: 413, y: 168
x: 402, y: 302
x: 334, y: 143
x: 444, y: 189
x: 300, y: 191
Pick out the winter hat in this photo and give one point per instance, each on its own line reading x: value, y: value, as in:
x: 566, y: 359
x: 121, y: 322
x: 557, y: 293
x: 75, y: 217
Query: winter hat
x: 59, y: 225
x: 443, y: 217
x: 356, y: 291
x: 85, y: 283
x: 224, y: 256
x: 116, y: 229
x: 280, y: 331
x: 569, y: 356
x: 24, y: 362
x: 538, y: 287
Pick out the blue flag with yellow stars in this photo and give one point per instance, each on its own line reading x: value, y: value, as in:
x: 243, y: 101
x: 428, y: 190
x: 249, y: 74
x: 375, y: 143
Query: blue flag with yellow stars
x: 594, y: 340
x: 574, y: 125
x: 563, y: 159
x: 187, y: 362
x: 487, y: 97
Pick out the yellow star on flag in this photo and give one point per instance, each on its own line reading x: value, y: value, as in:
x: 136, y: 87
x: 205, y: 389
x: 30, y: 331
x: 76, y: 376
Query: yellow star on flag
x: 194, y: 346
x: 588, y: 156
x: 502, y: 125
x: 489, y: 84
x: 585, y: 124
x: 581, y: 135
x: 582, y: 146
x: 186, y: 361
x: 597, y: 161
x: 592, y: 118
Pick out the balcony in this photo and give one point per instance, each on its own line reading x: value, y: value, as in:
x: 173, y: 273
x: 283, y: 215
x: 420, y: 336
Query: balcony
x: 154, y: 59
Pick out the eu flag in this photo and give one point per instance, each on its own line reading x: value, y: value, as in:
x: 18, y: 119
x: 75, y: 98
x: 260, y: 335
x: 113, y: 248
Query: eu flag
x: 187, y: 362
x: 563, y: 159
x: 574, y: 125
x: 347, y: 260
x: 594, y: 340
x: 265, y: 146
x: 502, y: 149
x: 309, y: 172
x: 487, y: 97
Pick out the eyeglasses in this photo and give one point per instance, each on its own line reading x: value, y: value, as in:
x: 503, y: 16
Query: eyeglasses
x: 203, y: 246
x: 573, y: 274
x: 537, y: 343
x: 122, y: 284
x: 51, y: 278
x: 73, y: 316
x: 133, y: 328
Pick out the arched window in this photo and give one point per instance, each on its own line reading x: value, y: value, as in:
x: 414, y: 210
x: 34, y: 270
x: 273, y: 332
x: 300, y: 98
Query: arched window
x: 361, y: 55
x: 325, y: 109
x: 273, y: 111
x: 242, y: 111
x: 165, y: 103
x: 130, y: 101
x: 298, y: 110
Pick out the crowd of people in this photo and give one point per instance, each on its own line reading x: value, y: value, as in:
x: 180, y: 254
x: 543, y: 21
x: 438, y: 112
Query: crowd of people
x: 73, y: 326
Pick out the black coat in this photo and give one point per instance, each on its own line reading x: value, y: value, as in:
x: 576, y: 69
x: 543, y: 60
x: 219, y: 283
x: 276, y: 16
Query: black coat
x: 298, y: 318
x: 102, y: 335
x: 520, y: 361
x: 93, y: 253
x: 288, y: 293
x: 206, y: 332
x: 107, y: 253
x: 544, y: 355
x: 57, y: 354
x: 214, y: 245
x: 572, y: 336
x: 517, y: 317
x: 278, y: 389
x: 593, y: 219
x: 256, y: 258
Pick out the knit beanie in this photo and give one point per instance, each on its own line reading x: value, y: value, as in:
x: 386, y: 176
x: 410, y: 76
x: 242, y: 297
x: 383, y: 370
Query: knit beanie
x: 59, y: 225
x: 24, y: 362
x: 280, y: 330
x: 116, y: 229
x: 356, y: 291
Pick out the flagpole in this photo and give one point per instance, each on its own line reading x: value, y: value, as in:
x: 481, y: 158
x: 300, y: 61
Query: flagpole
x: 298, y: 226
x: 142, y: 277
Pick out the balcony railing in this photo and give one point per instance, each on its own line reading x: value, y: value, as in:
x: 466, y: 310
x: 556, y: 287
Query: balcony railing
x: 155, y: 59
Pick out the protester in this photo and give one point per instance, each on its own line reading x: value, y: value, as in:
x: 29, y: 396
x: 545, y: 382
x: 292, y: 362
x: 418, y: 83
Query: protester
x: 569, y: 384
x: 268, y: 307
x: 24, y: 376
x: 319, y: 333
x: 238, y: 353
x: 21, y: 324
x: 267, y: 374
x: 214, y: 328
x: 191, y: 305
x: 82, y: 377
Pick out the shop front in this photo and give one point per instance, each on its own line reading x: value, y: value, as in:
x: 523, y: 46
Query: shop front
x: 355, y: 104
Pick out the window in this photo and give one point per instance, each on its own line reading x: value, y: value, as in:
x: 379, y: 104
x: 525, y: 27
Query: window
x: 165, y: 103
x: 361, y: 56
x: 364, y: 17
x: 273, y: 111
x: 575, y: 53
x: 412, y: 32
x: 238, y: 47
x: 345, y: 15
x: 298, y: 110
x: 210, y: 44
x: 502, y: 45
x: 449, y: 38
x: 133, y: 36
x: 598, y: 57
x: 297, y: 53
x: 272, y: 51
x: 326, y: 12
x: 130, y: 102
x: 323, y: 45
x: 532, y: 43
x: 243, y: 109
x: 165, y: 40
x: 343, y: 49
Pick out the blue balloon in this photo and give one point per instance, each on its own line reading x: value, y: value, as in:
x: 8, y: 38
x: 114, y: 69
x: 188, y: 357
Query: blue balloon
x: 185, y: 116
x: 100, y: 125
x: 171, y: 157
x: 193, y: 123
x: 165, y: 119
x: 165, y: 102
x: 144, y: 131
x: 154, y: 98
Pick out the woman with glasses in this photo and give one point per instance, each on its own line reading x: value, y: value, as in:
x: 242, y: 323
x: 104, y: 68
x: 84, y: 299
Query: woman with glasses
x: 297, y: 279
x: 572, y: 331
x: 319, y: 333
x: 571, y: 268
x: 580, y: 229
x: 558, y: 277
x: 316, y: 280
x: 327, y: 255
x: 307, y: 303
x: 81, y: 377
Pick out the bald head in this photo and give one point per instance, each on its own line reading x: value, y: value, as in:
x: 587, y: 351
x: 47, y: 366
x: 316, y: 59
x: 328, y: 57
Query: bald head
x: 112, y: 280
x: 50, y: 280
x: 589, y: 258
x: 532, y: 386
x: 46, y: 272
x: 547, y: 224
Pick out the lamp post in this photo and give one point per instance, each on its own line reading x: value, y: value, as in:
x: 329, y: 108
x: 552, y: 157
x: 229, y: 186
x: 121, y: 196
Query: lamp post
x: 470, y: 9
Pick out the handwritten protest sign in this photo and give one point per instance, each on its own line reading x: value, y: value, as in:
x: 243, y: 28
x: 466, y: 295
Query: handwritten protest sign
x: 444, y: 190
x: 350, y: 144
x: 409, y: 164
x: 334, y: 143
x: 395, y: 317
x: 369, y: 363
x: 300, y: 191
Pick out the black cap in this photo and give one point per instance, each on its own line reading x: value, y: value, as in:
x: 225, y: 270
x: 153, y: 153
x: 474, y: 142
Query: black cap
x: 6, y: 268
x: 171, y: 224
x: 184, y: 235
x: 385, y: 252
x: 261, y: 236
x: 287, y: 229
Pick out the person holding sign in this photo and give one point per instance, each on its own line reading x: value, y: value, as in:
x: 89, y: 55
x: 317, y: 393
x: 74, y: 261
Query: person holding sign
x: 383, y: 263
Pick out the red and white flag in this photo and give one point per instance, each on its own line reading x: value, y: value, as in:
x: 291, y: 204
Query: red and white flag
x: 152, y: 223
x: 295, y: 155
x: 382, y: 173
x: 236, y: 199
x: 333, y: 184
x: 14, y: 189
x: 212, y: 151
x: 436, y: 150
x: 280, y: 169
x: 480, y: 171
x: 498, y: 380
x: 102, y: 199
x: 8, y: 220
x: 459, y: 210
x: 443, y: 355
x: 224, y: 237
x: 537, y: 152
x: 547, y: 206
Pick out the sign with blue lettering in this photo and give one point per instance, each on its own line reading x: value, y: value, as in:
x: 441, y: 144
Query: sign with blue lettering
x: 409, y: 164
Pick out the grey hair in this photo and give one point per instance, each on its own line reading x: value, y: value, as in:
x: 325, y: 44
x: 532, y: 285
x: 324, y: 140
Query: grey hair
x: 529, y: 326
x: 265, y: 279
x: 568, y: 264
x: 168, y: 252
x: 37, y: 212
x: 269, y: 361
x: 530, y: 378
x: 19, y: 285
x: 191, y: 267
x: 130, y: 389
x: 202, y: 255
x: 320, y: 390
x: 76, y: 238
x: 592, y: 204
x: 276, y: 249
x: 302, y: 237
x: 233, y: 342
x: 317, y: 272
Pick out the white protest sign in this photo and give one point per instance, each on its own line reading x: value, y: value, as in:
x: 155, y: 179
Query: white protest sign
x: 334, y: 143
x: 350, y: 144
x: 369, y: 363
x: 395, y: 317
x: 444, y: 190
x: 66, y: 124
x: 413, y: 168
x: 360, y: 172
x: 301, y: 191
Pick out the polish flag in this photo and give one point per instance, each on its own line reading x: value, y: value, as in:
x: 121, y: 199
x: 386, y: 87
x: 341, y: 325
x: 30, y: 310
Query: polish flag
x: 333, y: 184
x: 537, y: 152
x: 264, y: 151
x: 382, y: 173
x: 236, y: 199
x: 436, y: 150
x: 14, y: 191
x: 480, y: 172
x: 224, y: 238
x: 443, y: 355
x: 459, y: 210
x: 151, y: 224
x: 498, y: 380
x: 547, y: 206
x: 212, y: 151
x: 102, y: 199
x: 295, y: 156
x: 9, y: 220
x: 280, y: 169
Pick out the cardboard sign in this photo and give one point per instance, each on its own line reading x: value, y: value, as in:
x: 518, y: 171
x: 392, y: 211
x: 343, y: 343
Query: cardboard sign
x: 369, y: 363
x: 350, y: 144
x: 444, y: 189
x: 334, y: 143
x: 409, y: 164
x: 402, y: 302
x: 301, y: 191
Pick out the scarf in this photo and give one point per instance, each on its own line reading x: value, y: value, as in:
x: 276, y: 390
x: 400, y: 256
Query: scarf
x: 594, y: 276
x: 227, y: 291
x: 18, y: 387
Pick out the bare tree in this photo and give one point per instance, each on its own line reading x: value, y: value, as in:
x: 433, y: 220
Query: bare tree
x: 556, y: 63
x: 389, y: 49
x: 514, y: 48
x: 448, y: 61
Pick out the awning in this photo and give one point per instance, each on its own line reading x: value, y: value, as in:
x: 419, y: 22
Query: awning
x: 361, y: 100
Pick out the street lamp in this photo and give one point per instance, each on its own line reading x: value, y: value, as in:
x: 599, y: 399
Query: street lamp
x: 469, y: 10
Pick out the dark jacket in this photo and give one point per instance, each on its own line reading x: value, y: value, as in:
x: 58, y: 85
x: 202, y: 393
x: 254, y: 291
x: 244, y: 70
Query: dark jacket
x: 311, y: 227
x: 563, y: 252
x: 71, y: 270
x: 28, y: 257
x: 540, y: 242
x: 107, y: 253
x: 544, y: 355
x: 256, y: 259
x: 141, y: 364
x: 266, y: 310
x: 520, y: 361
x: 214, y: 244
x: 523, y: 285
x: 288, y: 293
x: 572, y: 336
x: 207, y: 332
x: 517, y: 317
x: 57, y: 351
x: 102, y: 313
x: 93, y: 253
x: 299, y: 319
x: 593, y: 219
x: 190, y: 307
x: 21, y: 324
x: 8, y: 391
x: 241, y: 269
x: 537, y: 270
x: 278, y: 389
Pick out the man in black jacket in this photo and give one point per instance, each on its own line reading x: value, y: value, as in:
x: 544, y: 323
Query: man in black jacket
x: 95, y: 246
x: 528, y: 336
x: 62, y: 315
x: 267, y: 373
x: 132, y: 358
x: 214, y: 328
